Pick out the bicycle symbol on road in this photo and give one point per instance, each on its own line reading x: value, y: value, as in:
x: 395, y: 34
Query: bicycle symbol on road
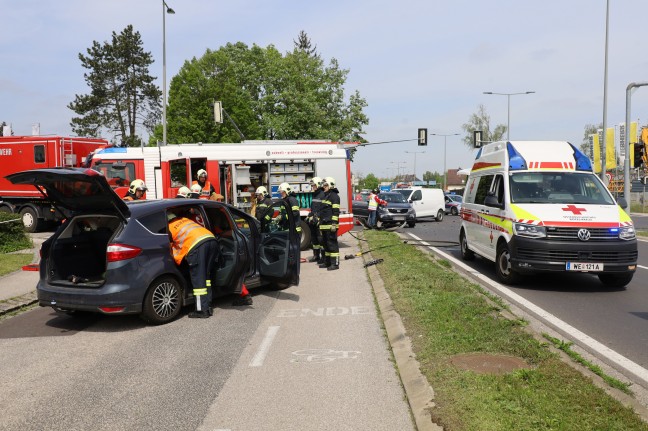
x: 323, y: 355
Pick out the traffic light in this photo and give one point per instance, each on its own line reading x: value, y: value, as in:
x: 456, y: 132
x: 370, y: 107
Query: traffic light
x: 638, y: 152
x: 477, y: 139
x: 422, y: 137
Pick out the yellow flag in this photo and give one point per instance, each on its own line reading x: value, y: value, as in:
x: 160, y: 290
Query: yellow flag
x: 596, y: 152
x: 610, y: 154
x: 632, y: 139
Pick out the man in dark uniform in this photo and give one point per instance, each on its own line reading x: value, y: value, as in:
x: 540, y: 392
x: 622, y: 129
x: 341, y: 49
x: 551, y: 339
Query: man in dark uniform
x: 329, y: 216
x: 313, y: 220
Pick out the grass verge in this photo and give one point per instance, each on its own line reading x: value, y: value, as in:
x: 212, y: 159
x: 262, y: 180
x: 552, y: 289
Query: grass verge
x: 13, y: 262
x: 445, y: 315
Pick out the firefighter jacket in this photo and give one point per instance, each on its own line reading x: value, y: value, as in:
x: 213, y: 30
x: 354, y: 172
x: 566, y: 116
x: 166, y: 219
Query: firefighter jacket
x: 130, y: 197
x: 207, y: 189
x: 316, y: 204
x: 294, y: 207
x: 261, y: 206
x: 186, y: 234
x: 330, y: 211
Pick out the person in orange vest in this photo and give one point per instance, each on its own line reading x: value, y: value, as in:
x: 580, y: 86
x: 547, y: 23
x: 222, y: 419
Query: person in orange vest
x: 205, y: 185
x: 198, y: 247
x: 135, y: 191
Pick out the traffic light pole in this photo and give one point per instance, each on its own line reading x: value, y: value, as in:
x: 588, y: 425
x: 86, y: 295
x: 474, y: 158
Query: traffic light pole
x: 626, y: 163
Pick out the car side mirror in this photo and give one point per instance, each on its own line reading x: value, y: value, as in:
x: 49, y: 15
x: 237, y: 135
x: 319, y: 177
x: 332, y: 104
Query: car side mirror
x: 622, y: 202
x: 491, y: 201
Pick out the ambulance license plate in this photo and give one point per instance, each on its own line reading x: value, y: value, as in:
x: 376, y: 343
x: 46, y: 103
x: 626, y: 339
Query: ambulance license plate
x: 584, y: 266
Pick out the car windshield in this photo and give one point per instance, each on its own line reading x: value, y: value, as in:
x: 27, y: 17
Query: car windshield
x: 392, y: 197
x: 404, y: 192
x: 455, y: 198
x: 554, y: 187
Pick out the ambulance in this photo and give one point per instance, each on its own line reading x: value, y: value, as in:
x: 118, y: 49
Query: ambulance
x: 532, y: 206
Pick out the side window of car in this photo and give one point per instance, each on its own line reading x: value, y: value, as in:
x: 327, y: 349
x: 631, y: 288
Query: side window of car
x: 483, y: 187
x: 498, y: 188
x: 417, y: 195
x: 155, y: 222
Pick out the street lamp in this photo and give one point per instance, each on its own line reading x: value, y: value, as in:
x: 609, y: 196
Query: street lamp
x: 165, y: 10
x: 508, y: 96
x: 415, y: 153
x: 445, y: 141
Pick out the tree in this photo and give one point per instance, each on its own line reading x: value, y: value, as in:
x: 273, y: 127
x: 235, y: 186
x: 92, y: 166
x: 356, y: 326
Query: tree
x: 590, y: 129
x: 481, y: 121
x: 122, y: 93
x: 370, y: 182
x: 303, y: 43
x: 267, y: 94
x: 433, y: 176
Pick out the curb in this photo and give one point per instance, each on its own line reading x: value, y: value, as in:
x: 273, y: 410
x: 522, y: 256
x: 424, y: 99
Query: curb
x: 18, y: 302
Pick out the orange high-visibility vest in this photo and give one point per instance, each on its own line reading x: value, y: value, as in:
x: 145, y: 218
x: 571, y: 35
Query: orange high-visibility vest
x: 186, y: 234
x: 206, y: 189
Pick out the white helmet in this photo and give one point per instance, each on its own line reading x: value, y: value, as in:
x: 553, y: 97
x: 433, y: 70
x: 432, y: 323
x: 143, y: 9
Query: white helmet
x: 285, y: 187
x: 317, y: 181
x: 196, y: 188
x: 262, y: 191
x: 183, y: 192
x: 201, y: 172
x: 137, y: 185
x: 330, y: 181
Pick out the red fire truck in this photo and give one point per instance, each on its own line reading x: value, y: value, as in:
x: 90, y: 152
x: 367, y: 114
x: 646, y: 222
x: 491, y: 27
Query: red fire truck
x: 235, y: 171
x: 18, y: 153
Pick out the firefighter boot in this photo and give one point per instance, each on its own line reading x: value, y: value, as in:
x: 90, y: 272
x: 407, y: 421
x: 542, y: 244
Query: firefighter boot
x: 316, y: 255
x: 335, y: 263
x: 327, y: 262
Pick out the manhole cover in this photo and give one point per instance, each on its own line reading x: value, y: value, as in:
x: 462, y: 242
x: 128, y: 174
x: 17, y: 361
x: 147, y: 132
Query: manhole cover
x: 488, y: 364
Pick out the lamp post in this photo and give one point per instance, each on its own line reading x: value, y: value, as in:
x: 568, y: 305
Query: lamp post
x: 508, y: 96
x: 165, y: 10
x: 398, y: 167
x: 445, y: 141
x: 415, y: 153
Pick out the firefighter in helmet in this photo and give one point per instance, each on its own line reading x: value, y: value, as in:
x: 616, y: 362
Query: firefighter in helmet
x: 263, y: 203
x: 313, y: 220
x: 329, y: 215
x: 183, y: 192
x: 196, y: 191
x: 288, y: 196
x: 207, y: 189
x: 136, y: 191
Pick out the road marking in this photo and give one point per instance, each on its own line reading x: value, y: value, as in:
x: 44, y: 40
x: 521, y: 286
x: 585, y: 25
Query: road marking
x: 325, y: 312
x: 261, y: 354
x: 612, y: 356
x: 642, y: 267
x: 323, y: 355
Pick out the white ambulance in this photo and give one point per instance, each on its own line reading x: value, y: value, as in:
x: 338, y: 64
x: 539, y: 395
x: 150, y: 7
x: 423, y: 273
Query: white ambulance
x: 537, y: 206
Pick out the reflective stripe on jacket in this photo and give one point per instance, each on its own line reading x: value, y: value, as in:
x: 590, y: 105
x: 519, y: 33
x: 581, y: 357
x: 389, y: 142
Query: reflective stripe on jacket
x: 186, y: 235
x: 330, y: 212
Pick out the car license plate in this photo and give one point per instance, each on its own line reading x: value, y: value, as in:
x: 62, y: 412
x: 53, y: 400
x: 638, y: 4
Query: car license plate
x: 584, y: 266
x: 399, y: 217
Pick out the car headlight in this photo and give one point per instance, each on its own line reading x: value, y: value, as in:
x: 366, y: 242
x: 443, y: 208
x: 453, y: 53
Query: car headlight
x: 383, y: 210
x: 529, y: 230
x: 627, y: 232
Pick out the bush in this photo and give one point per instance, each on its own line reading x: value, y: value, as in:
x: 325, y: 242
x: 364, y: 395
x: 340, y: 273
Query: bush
x: 12, y: 233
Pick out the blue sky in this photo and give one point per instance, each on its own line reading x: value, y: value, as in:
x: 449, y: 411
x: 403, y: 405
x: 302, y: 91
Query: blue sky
x: 417, y: 63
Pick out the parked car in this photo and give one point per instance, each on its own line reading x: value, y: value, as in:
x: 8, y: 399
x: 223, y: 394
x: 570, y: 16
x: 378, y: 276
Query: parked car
x: 425, y: 201
x: 397, y: 212
x: 114, y: 257
x: 453, y: 204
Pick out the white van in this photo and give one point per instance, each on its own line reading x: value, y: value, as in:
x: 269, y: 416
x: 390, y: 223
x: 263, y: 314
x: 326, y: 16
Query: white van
x: 426, y: 202
x: 537, y: 206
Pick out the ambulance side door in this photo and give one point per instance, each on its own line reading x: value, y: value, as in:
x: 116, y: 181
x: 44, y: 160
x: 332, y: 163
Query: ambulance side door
x: 477, y: 232
x: 495, y: 216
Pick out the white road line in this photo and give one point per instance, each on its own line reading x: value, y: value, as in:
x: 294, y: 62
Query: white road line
x: 261, y: 354
x: 642, y: 267
x: 605, y: 351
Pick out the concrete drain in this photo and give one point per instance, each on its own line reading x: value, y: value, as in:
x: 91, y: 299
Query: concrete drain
x: 488, y: 364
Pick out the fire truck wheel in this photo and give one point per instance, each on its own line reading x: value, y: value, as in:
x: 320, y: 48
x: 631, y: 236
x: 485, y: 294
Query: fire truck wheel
x: 30, y: 219
x: 305, y: 236
x: 5, y: 209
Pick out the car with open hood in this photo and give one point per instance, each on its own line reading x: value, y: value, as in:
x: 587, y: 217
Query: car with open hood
x: 114, y: 257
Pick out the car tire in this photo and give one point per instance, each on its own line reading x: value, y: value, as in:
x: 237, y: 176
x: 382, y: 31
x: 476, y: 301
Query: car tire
x: 466, y: 253
x: 505, y: 272
x: 439, y: 216
x: 30, y: 219
x: 454, y: 211
x: 616, y: 281
x: 411, y: 223
x: 163, y: 301
x: 305, y: 236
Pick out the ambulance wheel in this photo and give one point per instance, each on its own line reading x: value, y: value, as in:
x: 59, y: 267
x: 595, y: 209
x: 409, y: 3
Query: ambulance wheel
x: 466, y: 253
x: 163, y: 301
x: 616, y: 281
x: 439, y: 216
x: 503, y: 266
x: 30, y: 219
x: 305, y: 236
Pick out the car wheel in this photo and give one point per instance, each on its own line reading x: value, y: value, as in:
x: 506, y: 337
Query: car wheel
x: 439, y: 215
x: 454, y: 211
x: 411, y: 223
x: 616, y: 281
x: 163, y: 301
x: 466, y: 253
x: 503, y: 266
x: 30, y: 219
x: 305, y: 236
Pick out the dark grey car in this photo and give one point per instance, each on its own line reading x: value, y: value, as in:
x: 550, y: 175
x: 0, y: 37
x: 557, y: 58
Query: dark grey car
x: 115, y: 258
x: 397, y: 212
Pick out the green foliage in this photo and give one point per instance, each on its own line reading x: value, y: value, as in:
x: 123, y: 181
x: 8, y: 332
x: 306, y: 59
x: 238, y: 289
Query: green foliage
x: 12, y: 233
x: 267, y: 94
x: 122, y: 95
x: 369, y: 182
x: 433, y: 176
x: 480, y: 120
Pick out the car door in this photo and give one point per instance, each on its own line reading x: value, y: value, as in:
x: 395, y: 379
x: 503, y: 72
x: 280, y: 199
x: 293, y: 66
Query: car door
x: 278, y: 254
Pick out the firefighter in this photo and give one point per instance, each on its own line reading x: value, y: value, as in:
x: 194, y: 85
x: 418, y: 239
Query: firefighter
x: 264, y: 201
x: 206, y: 187
x: 288, y: 196
x: 313, y: 220
x: 183, y: 192
x: 135, y: 191
x: 198, y: 247
x: 329, y: 215
x: 196, y: 191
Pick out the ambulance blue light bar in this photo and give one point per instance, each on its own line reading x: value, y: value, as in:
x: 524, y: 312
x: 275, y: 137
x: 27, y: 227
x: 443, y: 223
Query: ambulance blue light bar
x: 583, y: 162
x: 516, y: 161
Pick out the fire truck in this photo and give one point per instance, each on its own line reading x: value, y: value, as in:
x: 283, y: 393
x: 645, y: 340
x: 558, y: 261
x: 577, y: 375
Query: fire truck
x: 18, y: 153
x: 235, y: 171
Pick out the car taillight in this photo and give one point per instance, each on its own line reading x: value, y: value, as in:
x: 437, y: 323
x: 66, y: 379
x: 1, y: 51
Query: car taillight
x: 117, y: 252
x: 112, y: 309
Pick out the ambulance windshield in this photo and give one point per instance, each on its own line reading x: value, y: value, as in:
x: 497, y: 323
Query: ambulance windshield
x: 558, y: 187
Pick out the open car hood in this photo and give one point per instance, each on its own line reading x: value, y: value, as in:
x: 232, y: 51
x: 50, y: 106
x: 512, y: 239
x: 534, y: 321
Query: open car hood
x: 76, y: 189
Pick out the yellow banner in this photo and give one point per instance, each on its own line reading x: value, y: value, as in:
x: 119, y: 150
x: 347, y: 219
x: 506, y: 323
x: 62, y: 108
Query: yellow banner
x: 596, y: 152
x: 632, y: 139
x: 610, y: 154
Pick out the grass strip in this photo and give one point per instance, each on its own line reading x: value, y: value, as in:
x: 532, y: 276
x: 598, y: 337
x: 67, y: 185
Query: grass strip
x: 446, y: 315
x: 13, y: 262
